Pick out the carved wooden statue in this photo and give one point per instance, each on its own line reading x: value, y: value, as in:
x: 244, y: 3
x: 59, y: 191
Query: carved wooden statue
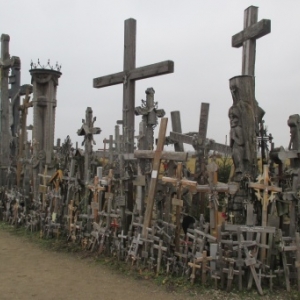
x: 243, y: 123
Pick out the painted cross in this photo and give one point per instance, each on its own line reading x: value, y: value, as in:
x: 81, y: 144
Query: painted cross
x: 253, y: 30
x: 157, y: 156
x: 264, y: 186
x: 128, y: 77
x: 180, y: 183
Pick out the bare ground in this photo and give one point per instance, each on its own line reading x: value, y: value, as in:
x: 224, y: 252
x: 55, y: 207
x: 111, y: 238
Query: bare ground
x: 28, y: 271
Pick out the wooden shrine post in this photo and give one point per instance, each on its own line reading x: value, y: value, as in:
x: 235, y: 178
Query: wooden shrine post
x: 157, y: 156
x: 265, y: 186
x: 179, y: 182
x: 253, y: 30
x: 128, y: 77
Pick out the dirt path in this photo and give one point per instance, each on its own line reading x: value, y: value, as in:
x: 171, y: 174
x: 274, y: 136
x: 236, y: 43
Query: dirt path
x: 29, y: 272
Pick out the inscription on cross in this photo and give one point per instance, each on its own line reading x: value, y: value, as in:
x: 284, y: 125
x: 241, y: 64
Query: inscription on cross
x: 128, y: 77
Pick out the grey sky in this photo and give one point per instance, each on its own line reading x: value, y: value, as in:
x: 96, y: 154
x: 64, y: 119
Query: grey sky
x: 87, y: 38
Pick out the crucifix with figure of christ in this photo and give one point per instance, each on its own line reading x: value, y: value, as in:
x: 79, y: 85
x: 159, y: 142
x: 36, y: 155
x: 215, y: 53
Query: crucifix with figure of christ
x: 128, y: 77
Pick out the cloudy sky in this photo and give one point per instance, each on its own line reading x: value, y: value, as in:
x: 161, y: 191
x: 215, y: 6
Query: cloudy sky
x: 87, y: 38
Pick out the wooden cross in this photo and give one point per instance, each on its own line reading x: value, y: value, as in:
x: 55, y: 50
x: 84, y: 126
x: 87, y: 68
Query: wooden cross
x: 253, y: 30
x: 180, y: 183
x: 264, y: 184
x: 43, y: 187
x: 213, y: 188
x: 71, y: 210
x: 5, y: 134
x: 160, y: 248
x: 88, y: 130
x: 297, y: 261
x: 128, y: 77
x: 96, y: 188
x: 150, y: 113
x: 157, y: 156
x: 22, y: 135
x: 194, y: 265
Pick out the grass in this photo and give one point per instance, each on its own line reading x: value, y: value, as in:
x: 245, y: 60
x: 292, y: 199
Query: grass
x: 170, y: 283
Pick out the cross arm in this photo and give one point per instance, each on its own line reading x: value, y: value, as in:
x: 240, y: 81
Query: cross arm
x: 161, y: 68
x: 108, y: 80
x: 254, y: 31
x: 177, y: 156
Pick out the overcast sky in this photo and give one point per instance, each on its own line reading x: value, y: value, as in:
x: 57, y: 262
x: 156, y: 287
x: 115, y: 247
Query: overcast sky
x: 87, y: 38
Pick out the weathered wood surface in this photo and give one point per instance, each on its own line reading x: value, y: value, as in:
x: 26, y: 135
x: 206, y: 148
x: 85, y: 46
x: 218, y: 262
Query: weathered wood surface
x: 247, y: 38
x: 154, y: 175
x: 128, y: 76
x: 178, y: 156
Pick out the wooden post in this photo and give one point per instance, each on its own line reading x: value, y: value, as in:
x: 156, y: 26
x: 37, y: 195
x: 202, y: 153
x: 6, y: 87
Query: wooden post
x: 96, y: 188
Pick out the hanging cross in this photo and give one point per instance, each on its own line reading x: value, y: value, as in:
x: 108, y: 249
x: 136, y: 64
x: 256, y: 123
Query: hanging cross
x: 128, y: 77
x: 180, y: 183
x: 253, y: 30
x: 157, y: 156
x: 264, y: 184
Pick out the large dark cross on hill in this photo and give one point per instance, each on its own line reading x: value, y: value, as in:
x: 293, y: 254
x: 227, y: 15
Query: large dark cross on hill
x: 128, y: 77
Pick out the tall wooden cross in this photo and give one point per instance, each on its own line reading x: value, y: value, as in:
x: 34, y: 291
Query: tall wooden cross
x: 253, y: 30
x: 128, y: 77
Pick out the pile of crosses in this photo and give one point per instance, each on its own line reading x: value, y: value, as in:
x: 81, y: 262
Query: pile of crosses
x: 136, y: 204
